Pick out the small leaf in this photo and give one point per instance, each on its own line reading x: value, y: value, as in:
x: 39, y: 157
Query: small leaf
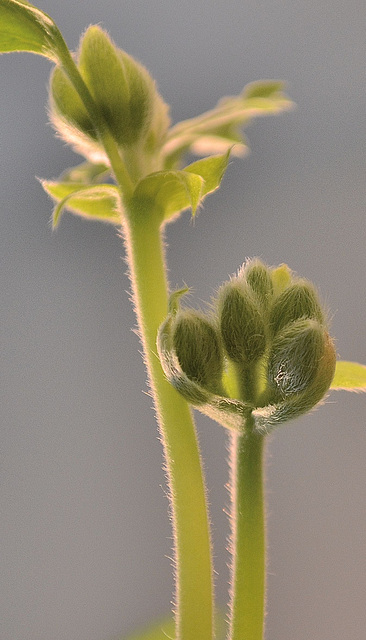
x: 26, y: 28
x: 97, y: 202
x: 171, y: 191
x: 86, y: 172
x: 211, y: 131
x: 349, y: 376
x: 211, y: 169
x: 263, y: 89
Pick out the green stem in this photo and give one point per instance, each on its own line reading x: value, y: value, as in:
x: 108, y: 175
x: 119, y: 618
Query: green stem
x: 194, y: 589
x: 248, y: 536
x: 193, y: 565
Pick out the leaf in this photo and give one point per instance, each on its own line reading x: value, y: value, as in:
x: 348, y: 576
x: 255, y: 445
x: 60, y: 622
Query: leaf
x: 211, y: 131
x: 86, y: 172
x: 171, y: 191
x: 263, y: 89
x: 97, y: 202
x: 349, y: 376
x: 26, y: 28
x: 211, y: 169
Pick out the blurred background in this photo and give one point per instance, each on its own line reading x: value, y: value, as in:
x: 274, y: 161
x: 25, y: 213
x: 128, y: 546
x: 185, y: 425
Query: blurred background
x: 85, y: 533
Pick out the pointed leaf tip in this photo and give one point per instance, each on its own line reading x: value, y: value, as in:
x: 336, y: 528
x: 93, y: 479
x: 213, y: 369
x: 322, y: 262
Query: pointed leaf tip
x: 211, y: 169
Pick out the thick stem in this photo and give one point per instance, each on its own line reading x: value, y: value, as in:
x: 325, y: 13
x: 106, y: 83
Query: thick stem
x: 193, y: 565
x: 248, y: 536
x: 194, y: 589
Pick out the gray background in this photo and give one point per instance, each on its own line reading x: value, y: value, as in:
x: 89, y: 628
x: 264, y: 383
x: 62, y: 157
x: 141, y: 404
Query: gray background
x: 85, y: 535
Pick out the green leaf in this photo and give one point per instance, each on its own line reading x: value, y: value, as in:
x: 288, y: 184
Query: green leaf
x: 171, y: 191
x: 26, y: 28
x: 86, y: 172
x: 263, y: 89
x: 211, y: 169
x: 96, y: 202
x: 219, y: 129
x: 349, y: 376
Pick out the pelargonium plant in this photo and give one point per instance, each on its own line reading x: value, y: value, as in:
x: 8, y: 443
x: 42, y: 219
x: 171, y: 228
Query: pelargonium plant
x: 261, y: 356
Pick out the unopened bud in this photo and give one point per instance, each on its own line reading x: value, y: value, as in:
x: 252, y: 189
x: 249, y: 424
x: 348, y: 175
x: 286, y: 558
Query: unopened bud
x: 120, y: 86
x: 296, y: 355
x: 70, y: 117
x: 259, y: 280
x: 124, y: 93
x: 299, y: 300
x: 241, y: 324
x: 198, y: 348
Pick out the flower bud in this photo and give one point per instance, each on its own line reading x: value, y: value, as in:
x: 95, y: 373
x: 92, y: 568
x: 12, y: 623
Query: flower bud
x: 124, y: 93
x: 296, y: 356
x: 198, y: 348
x: 121, y: 88
x: 71, y: 119
x: 259, y: 280
x: 241, y: 324
x: 279, y: 359
x: 298, y: 300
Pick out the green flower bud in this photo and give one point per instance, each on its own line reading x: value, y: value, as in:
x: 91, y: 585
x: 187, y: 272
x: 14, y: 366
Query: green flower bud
x: 326, y: 369
x: 71, y: 119
x: 279, y: 360
x: 123, y: 91
x: 241, y: 324
x: 258, y: 277
x: 198, y: 348
x: 120, y: 86
x: 295, y: 356
x: 298, y: 300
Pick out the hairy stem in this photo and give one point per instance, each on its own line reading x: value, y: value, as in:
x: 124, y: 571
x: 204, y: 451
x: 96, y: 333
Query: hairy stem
x: 194, y: 589
x: 248, y: 536
x: 193, y: 565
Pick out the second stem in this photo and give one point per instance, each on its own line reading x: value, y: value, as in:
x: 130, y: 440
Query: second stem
x: 248, y: 536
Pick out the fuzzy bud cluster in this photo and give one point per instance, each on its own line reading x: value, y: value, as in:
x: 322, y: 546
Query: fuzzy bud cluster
x: 269, y: 333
